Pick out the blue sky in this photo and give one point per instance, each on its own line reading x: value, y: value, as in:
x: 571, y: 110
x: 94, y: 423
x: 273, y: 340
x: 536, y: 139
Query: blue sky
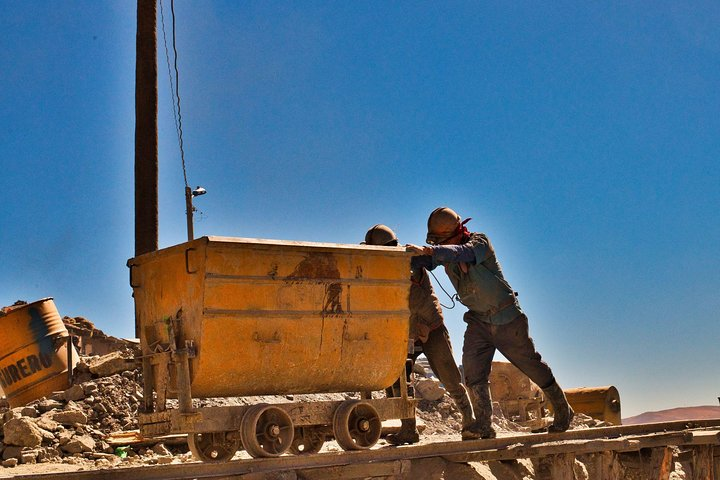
x: 582, y: 138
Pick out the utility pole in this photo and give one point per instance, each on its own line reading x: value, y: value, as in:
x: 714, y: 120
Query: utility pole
x: 146, y: 129
x: 146, y: 133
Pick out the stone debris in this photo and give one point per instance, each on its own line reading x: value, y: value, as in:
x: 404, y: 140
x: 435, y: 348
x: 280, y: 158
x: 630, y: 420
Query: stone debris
x: 92, y: 341
x: 71, y: 426
x: 71, y: 416
x: 110, y: 364
x: 22, y: 432
x: 429, y: 389
x: 74, y: 393
x: 79, y: 444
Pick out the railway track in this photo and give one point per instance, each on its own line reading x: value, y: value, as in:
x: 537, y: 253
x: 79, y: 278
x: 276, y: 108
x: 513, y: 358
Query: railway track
x: 699, y: 437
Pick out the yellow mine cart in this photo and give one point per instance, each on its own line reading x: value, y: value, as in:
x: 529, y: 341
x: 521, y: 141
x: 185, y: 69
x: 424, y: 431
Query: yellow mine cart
x: 229, y: 317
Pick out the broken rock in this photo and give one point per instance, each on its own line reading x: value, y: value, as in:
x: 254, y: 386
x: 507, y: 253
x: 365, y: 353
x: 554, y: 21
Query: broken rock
x: 74, y: 393
x: 29, y: 456
x: 70, y: 417
x: 111, y: 364
x: 430, y: 389
x: 47, y: 405
x: 89, y: 388
x: 161, y: 449
x: 47, y: 423
x: 64, y: 437
x: 79, y: 444
x: 12, y: 451
x: 22, y: 432
x: 29, y: 412
x: 10, y: 414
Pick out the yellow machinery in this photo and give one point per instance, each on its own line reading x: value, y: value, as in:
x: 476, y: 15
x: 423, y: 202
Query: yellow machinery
x: 520, y: 399
x: 223, y: 316
x: 602, y: 403
x: 523, y: 401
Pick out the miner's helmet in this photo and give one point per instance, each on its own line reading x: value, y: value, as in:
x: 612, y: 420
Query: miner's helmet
x: 443, y: 224
x: 381, y: 235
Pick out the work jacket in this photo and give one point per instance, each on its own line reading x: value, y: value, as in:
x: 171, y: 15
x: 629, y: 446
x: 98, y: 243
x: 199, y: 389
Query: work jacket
x: 480, y: 285
x: 425, y: 310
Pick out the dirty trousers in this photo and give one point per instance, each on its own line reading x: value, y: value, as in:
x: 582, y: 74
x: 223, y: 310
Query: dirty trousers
x: 512, y: 340
x: 438, y: 351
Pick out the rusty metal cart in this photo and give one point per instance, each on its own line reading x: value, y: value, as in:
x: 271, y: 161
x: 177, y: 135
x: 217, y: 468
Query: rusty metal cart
x: 232, y: 317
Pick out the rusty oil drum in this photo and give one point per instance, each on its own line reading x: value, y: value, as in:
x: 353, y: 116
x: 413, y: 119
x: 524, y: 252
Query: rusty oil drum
x: 33, y: 352
x: 601, y: 403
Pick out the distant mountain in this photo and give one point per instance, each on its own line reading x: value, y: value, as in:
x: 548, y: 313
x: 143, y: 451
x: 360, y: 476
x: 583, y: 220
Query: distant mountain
x: 682, y: 413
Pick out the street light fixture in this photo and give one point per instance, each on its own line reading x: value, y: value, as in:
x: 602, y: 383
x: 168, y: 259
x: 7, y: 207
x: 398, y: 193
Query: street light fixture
x: 189, y: 208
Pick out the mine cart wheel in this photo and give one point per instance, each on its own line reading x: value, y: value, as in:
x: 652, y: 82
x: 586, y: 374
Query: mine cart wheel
x: 307, y: 440
x: 356, y: 425
x: 266, y: 431
x: 213, y: 446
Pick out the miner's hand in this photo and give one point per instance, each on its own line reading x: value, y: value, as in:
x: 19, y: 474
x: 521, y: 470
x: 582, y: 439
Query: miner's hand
x: 418, y: 250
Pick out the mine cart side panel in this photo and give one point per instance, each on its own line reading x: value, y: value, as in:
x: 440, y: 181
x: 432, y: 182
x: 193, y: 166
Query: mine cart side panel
x: 166, y: 282
x: 168, y: 289
x: 306, y: 355
x: 301, y: 318
x: 274, y: 317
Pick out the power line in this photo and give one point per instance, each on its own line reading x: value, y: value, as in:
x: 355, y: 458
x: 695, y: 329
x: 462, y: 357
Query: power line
x: 174, y: 91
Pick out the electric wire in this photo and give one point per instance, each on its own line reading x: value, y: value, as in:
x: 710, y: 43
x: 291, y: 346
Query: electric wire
x: 451, y: 297
x: 167, y: 62
x: 175, y: 92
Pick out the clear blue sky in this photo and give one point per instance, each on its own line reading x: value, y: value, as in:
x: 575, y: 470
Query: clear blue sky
x: 582, y: 138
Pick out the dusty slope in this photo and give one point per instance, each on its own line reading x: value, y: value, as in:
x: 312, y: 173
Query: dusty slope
x: 681, y: 413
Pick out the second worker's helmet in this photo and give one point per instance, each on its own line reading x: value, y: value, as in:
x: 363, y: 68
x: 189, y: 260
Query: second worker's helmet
x: 381, y: 235
x: 443, y: 224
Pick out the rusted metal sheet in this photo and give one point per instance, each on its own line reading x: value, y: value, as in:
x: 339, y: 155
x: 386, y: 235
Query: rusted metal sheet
x: 34, y: 354
x: 276, y: 317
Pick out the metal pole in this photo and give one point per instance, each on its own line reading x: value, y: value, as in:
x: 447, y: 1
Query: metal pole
x: 146, y: 135
x: 189, y: 213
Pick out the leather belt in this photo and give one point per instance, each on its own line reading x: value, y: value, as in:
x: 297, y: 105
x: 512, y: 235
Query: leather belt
x: 503, y: 305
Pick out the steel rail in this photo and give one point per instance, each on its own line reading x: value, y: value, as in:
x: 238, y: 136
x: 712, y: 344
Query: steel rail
x: 519, y: 446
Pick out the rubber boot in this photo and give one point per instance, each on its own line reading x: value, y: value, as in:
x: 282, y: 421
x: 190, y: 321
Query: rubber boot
x: 462, y: 402
x: 408, y: 433
x: 561, y: 408
x: 481, y: 427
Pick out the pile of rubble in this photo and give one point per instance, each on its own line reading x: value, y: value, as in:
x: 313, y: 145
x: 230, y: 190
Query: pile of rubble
x: 72, y: 426
x: 89, y: 340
